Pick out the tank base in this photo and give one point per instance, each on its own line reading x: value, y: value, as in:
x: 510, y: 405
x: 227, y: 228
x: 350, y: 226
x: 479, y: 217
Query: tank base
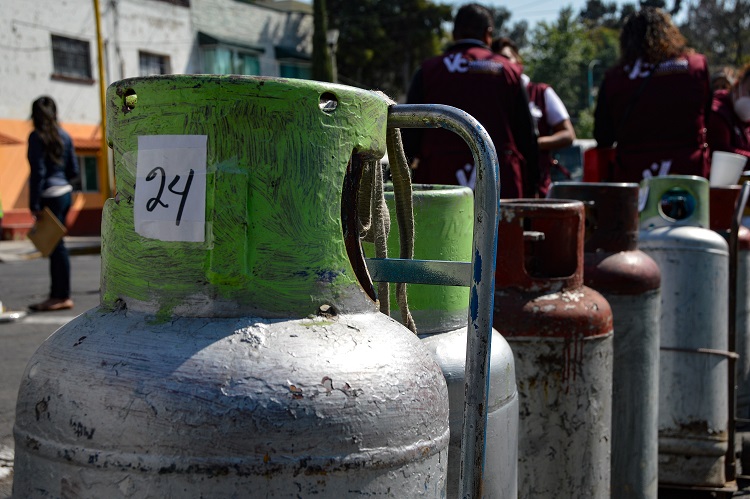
x: 667, y: 491
x: 691, y: 471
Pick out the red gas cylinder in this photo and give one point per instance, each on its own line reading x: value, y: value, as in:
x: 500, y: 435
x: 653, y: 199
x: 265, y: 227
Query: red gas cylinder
x: 630, y: 280
x: 561, y: 334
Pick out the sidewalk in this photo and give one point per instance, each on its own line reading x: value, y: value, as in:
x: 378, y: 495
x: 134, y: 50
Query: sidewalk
x: 11, y: 251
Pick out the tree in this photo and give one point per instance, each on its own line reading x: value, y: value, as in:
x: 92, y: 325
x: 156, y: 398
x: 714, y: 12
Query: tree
x: 626, y: 11
x: 381, y: 42
x: 597, y: 13
x: 720, y: 29
x: 322, y: 69
x: 517, y: 32
x: 562, y: 54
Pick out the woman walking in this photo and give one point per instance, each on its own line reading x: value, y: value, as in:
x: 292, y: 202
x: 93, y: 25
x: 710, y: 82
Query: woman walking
x: 53, y: 165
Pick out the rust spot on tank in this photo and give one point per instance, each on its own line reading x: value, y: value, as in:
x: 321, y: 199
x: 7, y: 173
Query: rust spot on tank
x: 266, y: 458
x: 327, y: 311
x: 296, y: 392
x: 41, y: 408
x: 32, y: 443
x: 693, y: 428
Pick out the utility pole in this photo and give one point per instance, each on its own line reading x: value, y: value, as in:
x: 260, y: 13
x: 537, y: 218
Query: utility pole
x: 104, y: 148
x: 332, y: 39
x: 321, y: 59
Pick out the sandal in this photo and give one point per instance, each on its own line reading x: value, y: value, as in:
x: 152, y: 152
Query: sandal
x: 52, y: 305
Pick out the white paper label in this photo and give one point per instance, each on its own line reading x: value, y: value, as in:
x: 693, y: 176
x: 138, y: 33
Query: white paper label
x: 170, y: 187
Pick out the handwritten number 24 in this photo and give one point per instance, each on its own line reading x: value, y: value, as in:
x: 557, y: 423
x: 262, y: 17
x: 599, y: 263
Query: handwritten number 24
x: 154, y: 202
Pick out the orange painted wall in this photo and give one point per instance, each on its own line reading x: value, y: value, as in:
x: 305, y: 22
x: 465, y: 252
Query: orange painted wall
x: 85, y: 215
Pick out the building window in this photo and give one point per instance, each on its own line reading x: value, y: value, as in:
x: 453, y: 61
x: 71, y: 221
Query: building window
x: 89, y: 178
x: 71, y: 58
x: 291, y: 70
x: 152, y: 64
x: 222, y: 60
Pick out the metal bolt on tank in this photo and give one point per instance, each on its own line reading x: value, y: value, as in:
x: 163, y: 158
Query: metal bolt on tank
x: 443, y: 227
x: 630, y: 280
x: 560, y: 332
x: 235, y: 352
x: 693, y: 365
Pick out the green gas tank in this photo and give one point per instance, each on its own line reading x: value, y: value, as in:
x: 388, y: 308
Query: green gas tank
x: 237, y: 350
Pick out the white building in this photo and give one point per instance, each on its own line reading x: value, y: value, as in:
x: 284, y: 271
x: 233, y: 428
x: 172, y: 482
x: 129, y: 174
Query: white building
x: 50, y: 47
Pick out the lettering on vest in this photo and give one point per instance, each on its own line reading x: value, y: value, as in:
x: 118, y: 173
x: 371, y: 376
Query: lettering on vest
x: 657, y: 169
x: 642, y: 70
x: 465, y: 181
x: 455, y: 63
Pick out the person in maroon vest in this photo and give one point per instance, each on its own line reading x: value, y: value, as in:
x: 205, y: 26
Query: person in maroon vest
x: 729, y: 121
x: 654, y: 103
x: 488, y: 86
x: 550, y: 116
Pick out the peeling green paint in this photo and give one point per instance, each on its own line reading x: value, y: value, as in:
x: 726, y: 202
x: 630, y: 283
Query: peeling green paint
x: 443, y: 230
x: 275, y: 169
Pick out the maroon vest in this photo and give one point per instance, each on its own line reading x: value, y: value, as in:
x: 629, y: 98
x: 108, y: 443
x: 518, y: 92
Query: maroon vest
x: 486, y: 86
x: 665, y: 130
x: 739, y: 132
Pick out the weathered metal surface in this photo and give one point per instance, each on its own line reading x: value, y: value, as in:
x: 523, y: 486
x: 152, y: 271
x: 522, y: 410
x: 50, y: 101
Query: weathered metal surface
x: 561, y: 334
x: 484, y: 244
x: 742, y: 318
x: 630, y: 280
x: 693, y: 399
x: 273, y: 153
x: 565, y: 392
x: 113, y: 405
x: 723, y: 201
x: 635, y: 395
x: 604, y: 232
x: 248, y: 360
x: 501, y: 449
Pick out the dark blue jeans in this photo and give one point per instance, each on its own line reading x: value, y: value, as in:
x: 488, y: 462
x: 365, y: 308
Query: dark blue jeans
x: 59, y: 261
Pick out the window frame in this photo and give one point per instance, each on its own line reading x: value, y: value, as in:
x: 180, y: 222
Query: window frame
x: 165, y: 62
x: 83, y: 168
x: 63, y: 59
x: 236, y: 54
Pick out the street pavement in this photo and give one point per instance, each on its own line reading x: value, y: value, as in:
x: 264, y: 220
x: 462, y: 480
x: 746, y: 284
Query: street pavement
x: 24, y: 279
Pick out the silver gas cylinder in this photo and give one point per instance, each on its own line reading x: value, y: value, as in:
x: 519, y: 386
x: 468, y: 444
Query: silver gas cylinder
x: 723, y: 201
x: 560, y: 332
x: 237, y: 351
x: 443, y: 228
x: 693, y: 405
x: 630, y: 280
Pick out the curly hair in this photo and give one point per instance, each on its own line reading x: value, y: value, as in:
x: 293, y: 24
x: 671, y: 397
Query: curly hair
x: 650, y: 35
x: 44, y: 116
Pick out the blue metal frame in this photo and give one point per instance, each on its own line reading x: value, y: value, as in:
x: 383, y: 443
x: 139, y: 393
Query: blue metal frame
x: 480, y: 276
